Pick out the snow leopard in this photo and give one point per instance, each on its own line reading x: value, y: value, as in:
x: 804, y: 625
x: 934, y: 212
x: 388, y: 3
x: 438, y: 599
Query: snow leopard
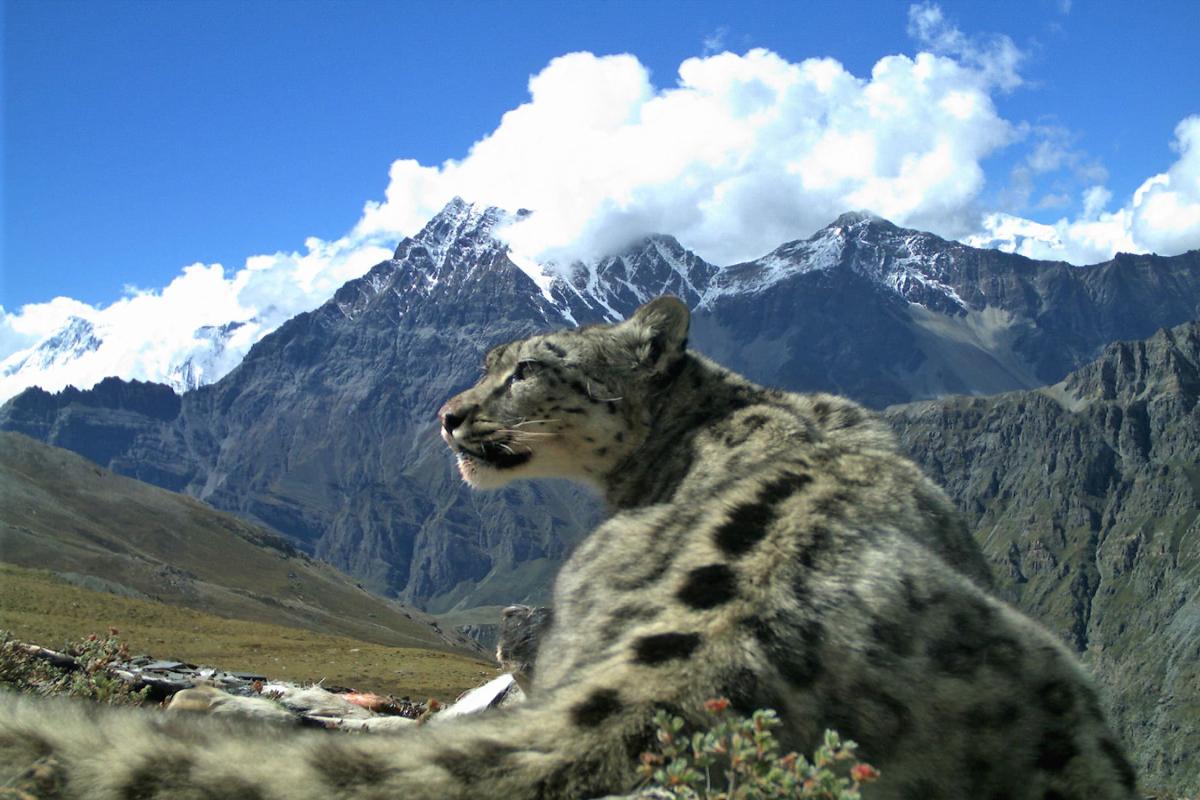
x: 767, y: 547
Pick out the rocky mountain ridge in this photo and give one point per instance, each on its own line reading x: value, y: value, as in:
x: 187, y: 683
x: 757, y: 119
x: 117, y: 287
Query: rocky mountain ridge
x: 325, y: 431
x: 1079, y: 479
x: 1086, y: 498
x: 948, y: 278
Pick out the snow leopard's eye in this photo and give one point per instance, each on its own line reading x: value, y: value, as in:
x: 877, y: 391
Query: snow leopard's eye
x: 525, y: 370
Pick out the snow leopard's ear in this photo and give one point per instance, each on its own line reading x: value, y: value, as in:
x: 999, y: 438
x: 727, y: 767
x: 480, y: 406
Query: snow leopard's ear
x: 657, y: 332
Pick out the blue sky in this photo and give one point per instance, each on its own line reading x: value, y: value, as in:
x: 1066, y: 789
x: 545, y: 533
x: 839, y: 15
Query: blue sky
x: 143, y: 137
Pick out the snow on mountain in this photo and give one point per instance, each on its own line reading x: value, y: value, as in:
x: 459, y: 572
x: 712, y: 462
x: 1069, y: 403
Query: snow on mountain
x: 610, y: 287
x: 465, y: 238
x: 910, y: 263
x: 55, y: 360
x: 456, y: 251
x: 74, y: 340
x: 462, y: 230
x: 84, y: 352
x: 220, y: 349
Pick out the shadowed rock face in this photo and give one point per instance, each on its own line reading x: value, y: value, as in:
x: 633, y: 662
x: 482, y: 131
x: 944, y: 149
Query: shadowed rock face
x: 326, y: 430
x: 1086, y: 498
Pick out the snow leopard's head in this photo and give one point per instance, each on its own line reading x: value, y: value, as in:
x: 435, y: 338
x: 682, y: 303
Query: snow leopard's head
x: 570, y: 404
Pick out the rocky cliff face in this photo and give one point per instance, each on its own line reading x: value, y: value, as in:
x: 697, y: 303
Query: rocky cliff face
x: 1086, y: 497
x: 118, y: 424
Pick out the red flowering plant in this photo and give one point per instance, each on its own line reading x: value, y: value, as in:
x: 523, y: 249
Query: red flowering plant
x: 738, y: 758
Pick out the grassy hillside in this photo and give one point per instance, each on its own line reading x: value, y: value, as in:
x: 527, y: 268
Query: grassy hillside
x: 98, y: 530
x: 37, y: 606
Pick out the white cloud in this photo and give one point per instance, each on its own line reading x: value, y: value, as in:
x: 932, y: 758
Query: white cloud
x: 1162, y: 216
x: 1052, y: 157
x: 35, y: 322
x: 740, y: 154
x: 715, y: 41
x: 996, y: 57
x: 1166, y: 207
x: 149, y: 334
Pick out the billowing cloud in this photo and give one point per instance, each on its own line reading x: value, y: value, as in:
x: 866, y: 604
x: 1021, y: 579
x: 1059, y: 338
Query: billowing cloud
x: 740, y: 153
x: 1162, y: 216
x: 744, y: 152
x: 36, y: 321
x: 1166, y: 208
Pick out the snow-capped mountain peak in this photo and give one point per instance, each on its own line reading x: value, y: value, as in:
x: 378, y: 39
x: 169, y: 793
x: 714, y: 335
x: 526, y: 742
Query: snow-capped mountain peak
x: 462, y: 251
x: 852, y: 219
x: 83, y: 352
x: 219, y: 350
x: 75, y: 339
x: 460, y: 221
x: 611, y: 286
x: 909, y: 263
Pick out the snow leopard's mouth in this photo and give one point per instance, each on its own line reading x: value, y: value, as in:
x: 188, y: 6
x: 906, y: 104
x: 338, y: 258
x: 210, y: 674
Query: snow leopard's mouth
x: 495, y: 454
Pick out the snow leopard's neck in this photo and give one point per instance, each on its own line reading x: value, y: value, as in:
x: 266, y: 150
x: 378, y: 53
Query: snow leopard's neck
x: 693, y: 398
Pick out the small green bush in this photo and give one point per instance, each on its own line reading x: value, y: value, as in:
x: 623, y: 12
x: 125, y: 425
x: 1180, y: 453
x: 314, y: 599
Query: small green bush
x: 91, y: 678
x: 738, y: 758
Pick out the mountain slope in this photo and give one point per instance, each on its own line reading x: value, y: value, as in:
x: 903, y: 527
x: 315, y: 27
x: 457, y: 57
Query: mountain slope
x: 39, y: 607
x: 62, y: 513
x: 1086, y: 497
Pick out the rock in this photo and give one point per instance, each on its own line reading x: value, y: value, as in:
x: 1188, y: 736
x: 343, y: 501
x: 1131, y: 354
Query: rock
x: 211, y: 700
x: 495, y: 693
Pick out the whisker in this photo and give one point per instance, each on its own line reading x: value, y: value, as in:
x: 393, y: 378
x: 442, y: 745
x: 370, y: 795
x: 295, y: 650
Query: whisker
x: 515, y: 434
x: 533, y: 422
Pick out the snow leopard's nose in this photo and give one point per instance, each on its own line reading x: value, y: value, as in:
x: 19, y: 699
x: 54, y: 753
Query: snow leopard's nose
x: 451, y: 417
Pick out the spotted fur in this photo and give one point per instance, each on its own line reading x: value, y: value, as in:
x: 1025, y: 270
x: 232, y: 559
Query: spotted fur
x: 521, y: 629
x: 770, y: 547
